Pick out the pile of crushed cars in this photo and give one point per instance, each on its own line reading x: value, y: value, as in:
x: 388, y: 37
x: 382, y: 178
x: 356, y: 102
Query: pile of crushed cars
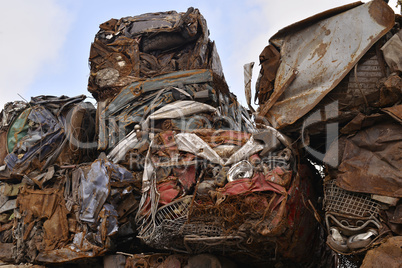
x: 169, y: 170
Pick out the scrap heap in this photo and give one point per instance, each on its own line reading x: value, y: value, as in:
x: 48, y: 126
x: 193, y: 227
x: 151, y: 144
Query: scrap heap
x: 337, y: 90
x: 170, y: 171
x: 211, y: 181
x: 169, y: 161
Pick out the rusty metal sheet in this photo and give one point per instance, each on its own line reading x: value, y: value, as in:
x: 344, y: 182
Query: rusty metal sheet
x: 389, y: 254
x: 322, y: 54
x: 371, y: 161
x: 392, y: 51
x: 6, y: 252
x: 395, y: 112
x: 63, y: 255
x: 180, y: 109
x: 46, y: 204
x: 3, y: 146
x: 135, y: 102
x: 9, y: 205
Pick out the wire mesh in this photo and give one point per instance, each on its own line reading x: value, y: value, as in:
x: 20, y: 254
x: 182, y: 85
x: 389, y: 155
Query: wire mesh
x: 172, y: 231
x: 339, y: 200
x: 171, y: 216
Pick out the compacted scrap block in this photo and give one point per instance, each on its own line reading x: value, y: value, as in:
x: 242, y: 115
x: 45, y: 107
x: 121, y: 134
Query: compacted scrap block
x: 238, y: 194
x: 148, y: 45
x: 60, y: 200
x: 41, y: 141
x: 333, y: 81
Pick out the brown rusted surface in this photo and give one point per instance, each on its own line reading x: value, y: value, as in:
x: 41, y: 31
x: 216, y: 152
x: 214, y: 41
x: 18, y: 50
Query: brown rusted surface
x: 354, y: 102
x: 3, y: 146
x: 389, y: 254
x: 144, y: 46
x: 6, y: 252
x: 390, y: 90
x: 80, y: 130
x: 395, y: 112
x: 362, y: 121
x: 160, y: 260
x: 394, y: 216
x: 279, y: 90
x: 63, y: 255
x: 370, y: 162
x: 49, y: 206
x: 269, y: 60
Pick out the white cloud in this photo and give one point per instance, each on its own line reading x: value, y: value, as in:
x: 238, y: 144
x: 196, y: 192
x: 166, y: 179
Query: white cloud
x: 32, y: 33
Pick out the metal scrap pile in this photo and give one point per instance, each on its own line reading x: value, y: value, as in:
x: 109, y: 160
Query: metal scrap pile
x: 333, y: 82
x: 169, y: 161
x: 171, y: 171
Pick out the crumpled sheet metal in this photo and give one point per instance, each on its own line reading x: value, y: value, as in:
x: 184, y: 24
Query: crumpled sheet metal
x: 144, y: 46
x: 94, y: 190
x: 270, y: 59
x: 135, y: 103
x: 364, y: 90
x: 180, y: 109
x: 321, y: 54
x: 18, y: 129
x: 388, y: 254
x: 8, y: 205
x: 7, y: 116
x: 63, y: 255
x: 39, y: 141
x: 248, y: 73
x: 392, y: 51
x: 46, y: 204
x: 189, y: 142
x: 10, y: 111
x: 95, y: 187
x: 171, y: 192
x: 370, y: 160
x: 45, y: 134
x: 119, y: 152
x: 47, y: 221
x: 395, y: 112
x: 45, y: 215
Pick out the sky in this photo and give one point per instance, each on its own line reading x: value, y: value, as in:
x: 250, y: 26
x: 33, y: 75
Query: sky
x: 45, y: 43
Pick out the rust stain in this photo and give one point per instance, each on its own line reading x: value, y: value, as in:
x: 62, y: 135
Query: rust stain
x: 382, y: 13
x: 319, y: 51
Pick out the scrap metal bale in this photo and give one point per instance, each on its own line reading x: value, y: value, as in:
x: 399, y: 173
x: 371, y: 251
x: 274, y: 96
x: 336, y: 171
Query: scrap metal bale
x: 51, y: 130
x: 135, y: 48
x: 196, y: 201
